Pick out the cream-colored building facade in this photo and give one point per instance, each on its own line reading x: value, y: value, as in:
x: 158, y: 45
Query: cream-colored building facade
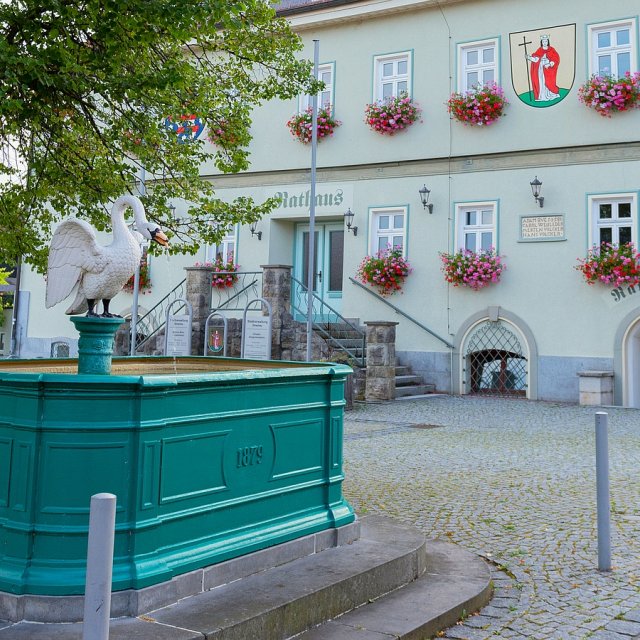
x: 541, y: 322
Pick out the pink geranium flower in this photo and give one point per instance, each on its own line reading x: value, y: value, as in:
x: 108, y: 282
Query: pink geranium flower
x: 391, y: 115
x: 480, y: 106
x: 386, y: 270
x: 301, y: 125
x: 472, y: 269
x: 607, y: 94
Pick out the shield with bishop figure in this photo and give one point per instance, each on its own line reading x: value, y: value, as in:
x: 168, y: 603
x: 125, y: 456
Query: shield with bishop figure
x: 543, y: 64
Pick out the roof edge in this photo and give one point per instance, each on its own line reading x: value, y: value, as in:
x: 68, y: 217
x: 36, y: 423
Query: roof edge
x: 291, y: 7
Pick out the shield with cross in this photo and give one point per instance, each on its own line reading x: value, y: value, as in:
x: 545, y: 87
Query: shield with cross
x: 543, y: 64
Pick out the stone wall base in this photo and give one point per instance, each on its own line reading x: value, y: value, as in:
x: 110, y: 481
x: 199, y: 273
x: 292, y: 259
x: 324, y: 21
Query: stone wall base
x: 134, y: 602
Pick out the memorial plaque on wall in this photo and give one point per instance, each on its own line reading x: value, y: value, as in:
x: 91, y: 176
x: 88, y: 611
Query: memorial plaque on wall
x: 541, y: 228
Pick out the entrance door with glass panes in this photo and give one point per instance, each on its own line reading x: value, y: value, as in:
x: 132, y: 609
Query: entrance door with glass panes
x: 327, y: 281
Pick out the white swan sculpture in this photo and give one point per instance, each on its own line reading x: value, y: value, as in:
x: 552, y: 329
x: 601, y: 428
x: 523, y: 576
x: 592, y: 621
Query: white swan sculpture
x: 78, y: 264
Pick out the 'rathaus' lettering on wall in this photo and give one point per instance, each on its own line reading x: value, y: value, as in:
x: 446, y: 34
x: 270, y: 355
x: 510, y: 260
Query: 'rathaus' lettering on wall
x: 620, y: 293
x: 303, y: 199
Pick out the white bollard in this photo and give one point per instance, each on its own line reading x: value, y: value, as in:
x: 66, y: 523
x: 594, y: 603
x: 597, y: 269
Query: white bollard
x: 97, y: 593
x: 602, y: 491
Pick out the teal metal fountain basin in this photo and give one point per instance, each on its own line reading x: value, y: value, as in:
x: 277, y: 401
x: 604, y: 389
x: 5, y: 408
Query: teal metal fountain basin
x: 209, y: 459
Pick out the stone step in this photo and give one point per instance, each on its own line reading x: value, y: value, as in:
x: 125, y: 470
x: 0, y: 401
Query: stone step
x: 275, y: 603
x: 390, y: 583
x: 341, y: 335
x: 353, y: 353
x: 338, y: 327
x: 414, y: 390
x: 344, y: 337
x: 452, y: 587
x: 402, y: 370
x: 407, y: 379
x: 287, y: 600
x: 349, y: 324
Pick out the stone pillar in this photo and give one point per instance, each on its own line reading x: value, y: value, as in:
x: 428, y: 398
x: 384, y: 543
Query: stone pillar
x: 381, y: 361
x: 276, y: 288
x: 198, y: 287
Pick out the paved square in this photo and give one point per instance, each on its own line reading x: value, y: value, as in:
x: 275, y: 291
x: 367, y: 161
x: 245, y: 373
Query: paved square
x: 513, y: 481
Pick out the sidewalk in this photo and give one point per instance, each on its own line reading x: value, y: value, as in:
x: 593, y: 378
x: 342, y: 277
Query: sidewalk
x: 512, y: 481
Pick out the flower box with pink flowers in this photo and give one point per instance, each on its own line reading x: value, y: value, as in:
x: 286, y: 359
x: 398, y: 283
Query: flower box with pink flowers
x: 472, y: 269
x: 224, y: 274
x: 611, y: 264
x: 391, y: 115
x: 480, y: 106
x: 386, y: 270
x: 607, y: 94
x: 301, y: 124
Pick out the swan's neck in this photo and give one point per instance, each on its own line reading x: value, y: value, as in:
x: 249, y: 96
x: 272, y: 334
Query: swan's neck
x: 140, y: 216
x: 120, y: 231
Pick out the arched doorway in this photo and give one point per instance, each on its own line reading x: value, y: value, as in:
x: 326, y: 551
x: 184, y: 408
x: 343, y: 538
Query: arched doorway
x: 495, y: 355
x: 495, y: 363
x: 630, y: 373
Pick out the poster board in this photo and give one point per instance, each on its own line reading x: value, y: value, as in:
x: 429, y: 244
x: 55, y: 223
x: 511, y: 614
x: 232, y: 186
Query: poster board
x: 177, y: 331
x: 256, y: 331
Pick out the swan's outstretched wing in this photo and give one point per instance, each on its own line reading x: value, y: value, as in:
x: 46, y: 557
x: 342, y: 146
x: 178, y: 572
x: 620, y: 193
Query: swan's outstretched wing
x: 73, y: 251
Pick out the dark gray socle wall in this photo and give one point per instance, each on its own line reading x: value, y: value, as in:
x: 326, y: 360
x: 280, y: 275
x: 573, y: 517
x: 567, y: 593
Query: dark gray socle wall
x: 557, y: 376
x: 434, y: 367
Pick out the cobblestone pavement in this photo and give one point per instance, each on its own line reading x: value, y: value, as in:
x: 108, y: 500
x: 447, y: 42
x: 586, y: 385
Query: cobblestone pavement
x: 513, y: 481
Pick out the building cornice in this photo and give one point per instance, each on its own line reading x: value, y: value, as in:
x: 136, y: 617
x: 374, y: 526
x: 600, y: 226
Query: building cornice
x: 341, y: 11
x: 529, y: 159
x: 305, y: 6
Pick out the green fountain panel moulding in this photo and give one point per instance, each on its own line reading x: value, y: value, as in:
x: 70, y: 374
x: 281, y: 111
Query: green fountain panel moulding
x: 209, y: 459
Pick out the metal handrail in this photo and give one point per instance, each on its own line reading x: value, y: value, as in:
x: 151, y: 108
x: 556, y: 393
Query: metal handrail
x: 154, y: 320
x: 402, y: 313
x: 324, y: 327
x: 248, y: 286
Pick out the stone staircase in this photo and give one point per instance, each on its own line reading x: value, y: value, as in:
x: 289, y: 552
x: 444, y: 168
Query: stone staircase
x: 343, y: 339
x: 408, y: 384
x: 347, y: 345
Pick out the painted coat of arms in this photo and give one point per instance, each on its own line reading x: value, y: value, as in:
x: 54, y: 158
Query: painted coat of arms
x: 543, y: 64
x: 187, y: 127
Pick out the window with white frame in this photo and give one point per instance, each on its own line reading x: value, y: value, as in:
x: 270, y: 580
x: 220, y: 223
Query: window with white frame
x: 392, y: 75
x: 613, y: 48
x: 388, y: 229
x: 476, y: 226
x: 225, y: 249
x: 477, y: 64
x: 613, y: 218
x: 326, y: 73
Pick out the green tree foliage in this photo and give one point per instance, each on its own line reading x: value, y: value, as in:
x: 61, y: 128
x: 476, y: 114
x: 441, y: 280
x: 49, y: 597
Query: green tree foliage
x: 6, y: 300
x: 85, y: 91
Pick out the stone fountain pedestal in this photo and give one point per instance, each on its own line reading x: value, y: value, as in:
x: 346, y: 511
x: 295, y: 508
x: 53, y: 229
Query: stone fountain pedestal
x: 95, y: 346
